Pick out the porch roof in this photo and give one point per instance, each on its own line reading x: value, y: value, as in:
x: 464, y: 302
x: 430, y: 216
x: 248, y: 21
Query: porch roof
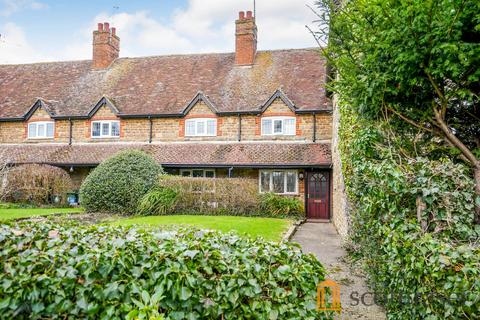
x: 252, y: 155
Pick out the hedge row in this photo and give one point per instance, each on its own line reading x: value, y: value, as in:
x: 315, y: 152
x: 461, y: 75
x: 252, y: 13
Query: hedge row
x: 412, y: 225
x: 101, y: 272
x: 219, y: 196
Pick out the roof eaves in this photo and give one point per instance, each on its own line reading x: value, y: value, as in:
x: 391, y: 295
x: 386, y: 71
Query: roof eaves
x: 278, y: 94
x: 38, y: 104
x: 199, y: 97
x: 103, y: 101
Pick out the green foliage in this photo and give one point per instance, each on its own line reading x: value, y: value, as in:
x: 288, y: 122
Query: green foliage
x: 118, y: 184
x: 408, y: 58
x: 100, y: 272
x: 158, y: 201
x: 276, y: 205
x: 429, y: 271
x: 219, y: 196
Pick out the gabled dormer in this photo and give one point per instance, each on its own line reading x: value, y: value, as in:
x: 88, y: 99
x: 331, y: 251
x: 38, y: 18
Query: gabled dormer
x: 103, y: 121
x: 200, y: 118
x: 39, y: 123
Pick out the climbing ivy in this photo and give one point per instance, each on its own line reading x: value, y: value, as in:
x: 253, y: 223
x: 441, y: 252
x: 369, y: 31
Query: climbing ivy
x: 411, y: 224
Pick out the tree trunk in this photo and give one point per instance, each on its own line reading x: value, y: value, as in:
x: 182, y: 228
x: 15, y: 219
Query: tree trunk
x: 476, y: 174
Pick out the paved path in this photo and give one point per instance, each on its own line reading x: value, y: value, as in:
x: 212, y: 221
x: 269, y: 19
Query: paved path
x: 323, y: 241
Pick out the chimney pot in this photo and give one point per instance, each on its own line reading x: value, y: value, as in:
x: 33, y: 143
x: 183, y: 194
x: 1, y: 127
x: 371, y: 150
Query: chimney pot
x: 114, y: 31
x: 249, y: 14
x: 106, y: 26
x: 241, y: 15
x: 100, y: 27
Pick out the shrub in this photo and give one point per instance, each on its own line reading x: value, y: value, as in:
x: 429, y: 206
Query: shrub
x: 158, y: 201
x: 118, y: 184
x: 103, y: 272
x: 219, y: 196
x: 411, y: 225
x: 36, y: 184
x: 276, y: 205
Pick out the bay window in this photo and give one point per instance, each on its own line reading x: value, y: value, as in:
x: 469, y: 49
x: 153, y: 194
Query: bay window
x: 41, y: 130
x: 106, y: 129
x: 279, y: 181
x: 278, y: 126
x: 201, y: 127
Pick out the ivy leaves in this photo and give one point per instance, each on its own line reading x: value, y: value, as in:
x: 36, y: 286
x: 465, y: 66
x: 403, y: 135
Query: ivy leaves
x: 106, y: 272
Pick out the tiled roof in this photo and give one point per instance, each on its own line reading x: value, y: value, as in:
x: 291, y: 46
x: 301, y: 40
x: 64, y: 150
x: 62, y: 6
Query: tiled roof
x: 165, y: 84
x: 176, y: 154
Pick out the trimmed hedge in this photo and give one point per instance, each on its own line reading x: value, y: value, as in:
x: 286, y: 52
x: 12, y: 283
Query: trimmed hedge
x: 104, y: 272
x: 118, y: 184
x: 219, y: 196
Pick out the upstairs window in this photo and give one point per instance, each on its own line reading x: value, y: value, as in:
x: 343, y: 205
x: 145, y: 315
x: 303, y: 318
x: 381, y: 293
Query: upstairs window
x: 273, y: 126
x: 41, y: 130
x: 279, y: 181
x: 105, y: 129
x: 202, y: 127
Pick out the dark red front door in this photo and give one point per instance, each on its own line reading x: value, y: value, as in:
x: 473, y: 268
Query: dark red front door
x: 318, y: 195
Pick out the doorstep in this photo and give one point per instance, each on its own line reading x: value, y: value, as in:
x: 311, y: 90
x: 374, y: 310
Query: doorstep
x: 319, y: 220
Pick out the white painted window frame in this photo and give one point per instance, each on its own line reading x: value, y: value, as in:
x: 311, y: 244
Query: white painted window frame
x: 36, y: 123
x: 204, y: 172
x: 102, y: 136
x: 283, y: 119
x: 205, y: 122
x: 285, y: 171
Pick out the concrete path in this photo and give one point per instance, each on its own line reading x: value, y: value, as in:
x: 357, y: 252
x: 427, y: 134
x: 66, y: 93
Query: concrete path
x: 322, y: 240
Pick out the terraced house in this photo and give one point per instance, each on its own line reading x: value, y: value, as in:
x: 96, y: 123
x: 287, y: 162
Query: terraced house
x: 263, y: 115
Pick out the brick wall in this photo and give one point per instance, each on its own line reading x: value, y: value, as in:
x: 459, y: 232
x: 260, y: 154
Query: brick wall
x: 172, y: 129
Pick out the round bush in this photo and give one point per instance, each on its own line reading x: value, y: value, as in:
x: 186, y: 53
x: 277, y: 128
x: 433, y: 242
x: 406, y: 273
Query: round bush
x: 104, y: 272
x: 36, y: 184
x: 118, y: 184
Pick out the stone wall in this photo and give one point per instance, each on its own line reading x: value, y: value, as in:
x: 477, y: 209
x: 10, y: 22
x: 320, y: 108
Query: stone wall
x: 173, y: 129
x: 340, y: 212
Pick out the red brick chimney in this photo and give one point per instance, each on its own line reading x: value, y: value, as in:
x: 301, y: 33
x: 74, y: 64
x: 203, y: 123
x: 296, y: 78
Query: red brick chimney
x: 106, y: 46
x: 245, y: 39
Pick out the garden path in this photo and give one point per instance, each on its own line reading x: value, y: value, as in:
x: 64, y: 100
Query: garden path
x: 323, y: 241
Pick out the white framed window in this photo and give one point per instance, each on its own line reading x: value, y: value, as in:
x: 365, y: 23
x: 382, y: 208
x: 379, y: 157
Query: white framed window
x: 198, y: 173
x: 201, y: 127
x: 273, y: 126
x: 106, y: 129
x: 41, y: 130
x: 278, y: 181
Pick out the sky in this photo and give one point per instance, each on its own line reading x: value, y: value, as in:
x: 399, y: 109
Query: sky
x: 49, y: 30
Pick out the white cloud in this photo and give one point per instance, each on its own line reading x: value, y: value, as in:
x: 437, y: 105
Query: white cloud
x: 14, y: 47
x: 9, y: 7
x: 202, y: 26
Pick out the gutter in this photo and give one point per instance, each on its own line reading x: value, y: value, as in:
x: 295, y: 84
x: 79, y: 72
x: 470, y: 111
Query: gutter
x: 167, y: 115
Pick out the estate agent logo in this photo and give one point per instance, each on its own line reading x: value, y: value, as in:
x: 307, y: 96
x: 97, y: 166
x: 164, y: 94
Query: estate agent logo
x: 322, y: 303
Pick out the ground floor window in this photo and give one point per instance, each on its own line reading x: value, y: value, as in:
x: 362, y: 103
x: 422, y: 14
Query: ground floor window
x: 198, y: 173
x: 279, y: 181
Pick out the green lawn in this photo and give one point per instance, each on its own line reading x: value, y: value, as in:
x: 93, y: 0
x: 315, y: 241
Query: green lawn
x: 9, y: 214
x: 268, y: 228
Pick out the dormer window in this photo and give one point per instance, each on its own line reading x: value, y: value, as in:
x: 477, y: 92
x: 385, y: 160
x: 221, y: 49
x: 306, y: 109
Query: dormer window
x: 273, y: 126
x: 106, y: 129
x: 41, y: 130
x: 201, y: 127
